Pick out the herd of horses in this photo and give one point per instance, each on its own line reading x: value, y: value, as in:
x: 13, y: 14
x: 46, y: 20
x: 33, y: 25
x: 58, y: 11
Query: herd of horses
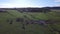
x: 39, y: 22
x: 25, y: 21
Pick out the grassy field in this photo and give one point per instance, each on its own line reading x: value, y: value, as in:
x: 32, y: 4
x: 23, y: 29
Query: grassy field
x: 16, y: 27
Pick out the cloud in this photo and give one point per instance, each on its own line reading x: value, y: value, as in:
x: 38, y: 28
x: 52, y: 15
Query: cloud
x: 57, y: 0
x: 16, y: 5
x: 6, y: 5
x: 57, y: 5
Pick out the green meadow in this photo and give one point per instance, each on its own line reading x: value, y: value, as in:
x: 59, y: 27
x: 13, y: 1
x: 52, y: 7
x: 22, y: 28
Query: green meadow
x: 16, y: 27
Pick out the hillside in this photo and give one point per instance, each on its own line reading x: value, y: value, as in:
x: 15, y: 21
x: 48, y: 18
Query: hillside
x: 16, y: 27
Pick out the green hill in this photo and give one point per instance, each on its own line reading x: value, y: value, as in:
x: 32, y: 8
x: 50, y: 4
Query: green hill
x: 16, y: 27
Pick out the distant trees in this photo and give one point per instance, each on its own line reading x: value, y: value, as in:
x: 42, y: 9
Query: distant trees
x: 3, y: 11
x: 44, y: 10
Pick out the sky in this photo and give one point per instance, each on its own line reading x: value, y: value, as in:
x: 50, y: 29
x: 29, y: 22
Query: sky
x: 28, y: 3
